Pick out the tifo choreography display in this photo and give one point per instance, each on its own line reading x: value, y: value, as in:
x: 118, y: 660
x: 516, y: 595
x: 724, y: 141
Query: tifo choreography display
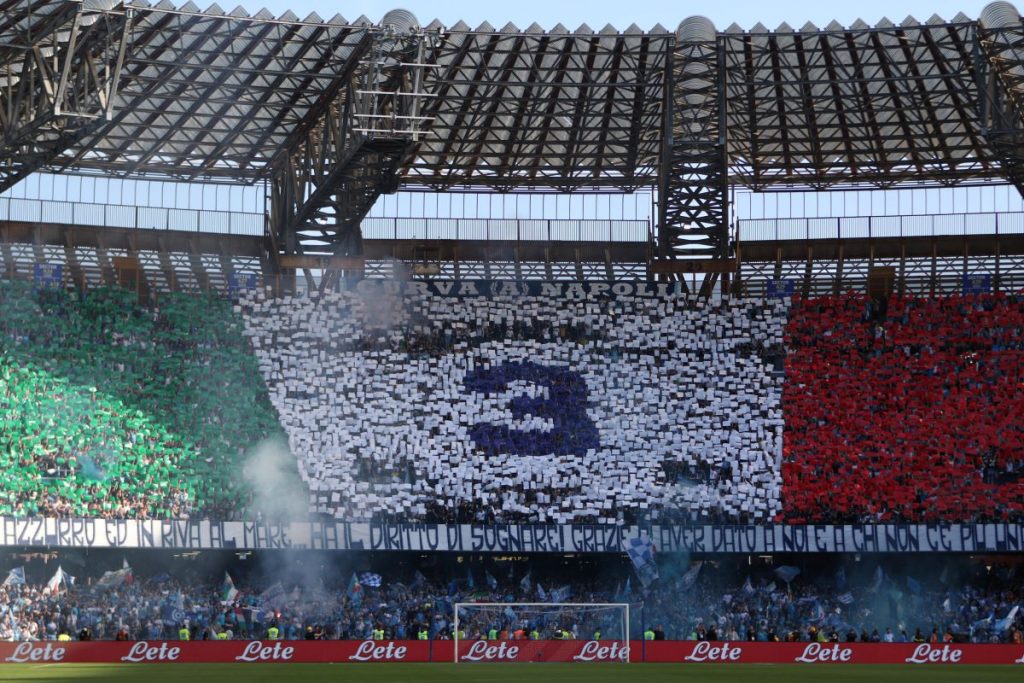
x: 487, y: 403
x: 535, y: 408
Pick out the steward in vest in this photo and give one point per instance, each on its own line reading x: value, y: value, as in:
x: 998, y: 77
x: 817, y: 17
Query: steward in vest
x: 183, y: 633
x: 273, y: 632
x: 534, y: 635
x: 378, y: 634
x: 649, y: 634
x: 63, y: 637
x: 597, y: 634
x: 423, y: 634
x: 223, y: 635
x: 492, y: 634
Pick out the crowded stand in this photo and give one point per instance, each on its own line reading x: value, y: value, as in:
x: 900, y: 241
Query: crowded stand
x: 708, y: 601
x: 913, y: 415
x: 433, y: 407
x: 113, y: 409
x: 578, y: 407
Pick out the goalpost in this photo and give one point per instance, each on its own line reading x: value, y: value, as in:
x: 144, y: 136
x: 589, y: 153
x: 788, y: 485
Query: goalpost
x: 604, y: 622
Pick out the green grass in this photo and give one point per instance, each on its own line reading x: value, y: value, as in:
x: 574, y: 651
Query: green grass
x: 507, y: 673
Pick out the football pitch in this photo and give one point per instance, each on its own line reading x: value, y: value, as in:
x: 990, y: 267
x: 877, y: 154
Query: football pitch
x: 506, y: 673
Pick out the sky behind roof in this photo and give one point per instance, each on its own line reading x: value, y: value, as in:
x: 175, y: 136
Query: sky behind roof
x: 620, y: 14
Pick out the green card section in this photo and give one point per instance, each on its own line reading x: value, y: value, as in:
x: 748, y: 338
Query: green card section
x: 109, y: 408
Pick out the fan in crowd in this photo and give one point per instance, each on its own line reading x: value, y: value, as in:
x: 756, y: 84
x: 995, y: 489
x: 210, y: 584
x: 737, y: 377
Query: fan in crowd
x: 111, y: 409
x: 915, y: 417
x: 369, y: 606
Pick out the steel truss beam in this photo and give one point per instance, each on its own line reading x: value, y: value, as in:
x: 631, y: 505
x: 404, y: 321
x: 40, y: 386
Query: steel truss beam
x: 349, y: 148
x: 1000, y: 79
x: 59, y: 88
x: 693, y: 213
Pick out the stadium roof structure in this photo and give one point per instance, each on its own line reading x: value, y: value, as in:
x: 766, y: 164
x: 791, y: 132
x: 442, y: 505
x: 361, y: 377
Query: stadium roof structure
x: 331, y: 113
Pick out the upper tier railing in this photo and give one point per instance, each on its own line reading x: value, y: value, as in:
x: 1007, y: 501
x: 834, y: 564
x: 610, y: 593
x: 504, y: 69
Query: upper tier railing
x: 861, y: 227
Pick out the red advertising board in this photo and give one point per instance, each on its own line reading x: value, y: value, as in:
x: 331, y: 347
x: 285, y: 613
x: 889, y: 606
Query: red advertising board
x: 343, y: 651
x: 829, y: 653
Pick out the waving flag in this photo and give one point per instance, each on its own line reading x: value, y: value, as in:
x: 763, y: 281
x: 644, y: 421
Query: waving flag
x: 113, y: 579
x: 370, y: 579
x: 355, y: 590
x: 524, y: 583
x: 690, y: 577
x: 228, y: 592
x: 273, y: 596
x: 787, y: 573
x: 492, y: 582
x: 1006, y: 622
x: 641, y: 553
x: 15, y: 577
x: 60, y: 579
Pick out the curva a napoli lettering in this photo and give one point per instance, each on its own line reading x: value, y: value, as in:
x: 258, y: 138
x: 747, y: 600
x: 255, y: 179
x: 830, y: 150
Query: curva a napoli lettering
x: 561, y: 399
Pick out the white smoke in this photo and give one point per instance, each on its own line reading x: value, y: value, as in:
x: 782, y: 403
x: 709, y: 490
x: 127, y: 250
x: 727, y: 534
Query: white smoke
x: 277, y: 493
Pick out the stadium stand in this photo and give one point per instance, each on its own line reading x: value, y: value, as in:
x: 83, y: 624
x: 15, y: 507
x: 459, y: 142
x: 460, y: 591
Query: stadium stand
x: 432, y: 407
x: 966, y: 602
x: 113, y: 409
x: 914, y: 417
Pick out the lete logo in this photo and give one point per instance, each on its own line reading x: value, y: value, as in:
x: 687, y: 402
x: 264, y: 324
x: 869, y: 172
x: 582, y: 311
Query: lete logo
x: 925, y: 654
x: 369, y: 651
x: 144, y: 652
x: 816, y: 652
x: 27, y: 652
x: 480, y: 651
x: 256, y: 651
x: 593, y: 651
x: 704, y: 652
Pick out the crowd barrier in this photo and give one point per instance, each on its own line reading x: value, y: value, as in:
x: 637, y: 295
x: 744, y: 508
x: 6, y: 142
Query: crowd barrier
x: 345, y: 651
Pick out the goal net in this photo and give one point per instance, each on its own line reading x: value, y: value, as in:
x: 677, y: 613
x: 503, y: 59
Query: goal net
x: 541, y: 632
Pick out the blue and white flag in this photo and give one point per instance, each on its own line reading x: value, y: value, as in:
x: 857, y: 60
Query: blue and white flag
x: 876, y: 582
x: 492, y: 582
x: 1006, y: 622
x: 690, y: 577
x: 913, y: 586
x: 418, y: 579
x: 641, y: 553
x: 541, y: 593
x: 561, y: 594
x: 748, y: 588
x: 524, y: 583
x: 787, y: 573
x: 370, y: 579
x: 15, y: 577
x: 845, y: 598
x: 273, y: 596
